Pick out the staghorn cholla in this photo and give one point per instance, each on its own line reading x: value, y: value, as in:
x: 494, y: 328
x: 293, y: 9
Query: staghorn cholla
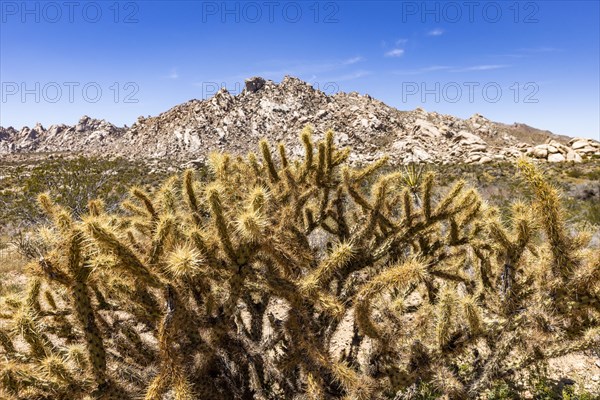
x: 234, y: 288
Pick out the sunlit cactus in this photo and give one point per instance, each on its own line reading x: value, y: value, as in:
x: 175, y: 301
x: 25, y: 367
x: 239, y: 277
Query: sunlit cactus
x: 237, y: 286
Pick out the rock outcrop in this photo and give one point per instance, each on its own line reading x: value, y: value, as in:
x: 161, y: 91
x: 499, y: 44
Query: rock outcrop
x: 575, y: 150
x: 191, y: 130
x: 87, y: 136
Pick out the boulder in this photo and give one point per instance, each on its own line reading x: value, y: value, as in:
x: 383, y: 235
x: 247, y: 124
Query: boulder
x: 556, y: 157
x: 197, y: 163
x: 579, y: 144
x: 560, y: 148
x: 421, y: 154
x: 573, y: 156
x: 478, y: 147
x: 540, y: 151
x: 587, y: 150
x: 468, y: 138
x: 426, y: 129
x: 254, y: 84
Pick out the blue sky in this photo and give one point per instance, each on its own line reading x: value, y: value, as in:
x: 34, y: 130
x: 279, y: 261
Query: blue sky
x: 531, y: 62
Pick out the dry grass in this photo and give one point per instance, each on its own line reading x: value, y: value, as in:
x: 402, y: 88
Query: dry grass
x: 10, y: 260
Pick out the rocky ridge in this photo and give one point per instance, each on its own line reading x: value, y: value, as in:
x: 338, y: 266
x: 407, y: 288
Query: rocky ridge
x: 88, y: 136
x: 191, y: 130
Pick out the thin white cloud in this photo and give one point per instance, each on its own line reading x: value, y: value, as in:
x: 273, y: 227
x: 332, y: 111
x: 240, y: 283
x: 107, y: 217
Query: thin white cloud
x: 487, y: 67
x: 436, y: 32
x: 513, y: 55
x: 350, y: 76
x: 395, y: 53
x: 541, y: 49
x: 528, y: 52
x: 401, y: 42
x: 173, y: 74
x: 437, y: 68
x: 423, y: 70
x: 352, y: 60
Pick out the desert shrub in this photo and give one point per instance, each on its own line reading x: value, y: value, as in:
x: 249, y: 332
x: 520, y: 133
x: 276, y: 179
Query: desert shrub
x: 71, y: 182
x: 575, y: 172
x: 593, y: 174
x: 300, y: 278
x: 592, y: 214
x: 501, y: 391
x: 570, y: 393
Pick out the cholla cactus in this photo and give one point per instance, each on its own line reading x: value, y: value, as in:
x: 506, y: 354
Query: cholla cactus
x: 238, y: 287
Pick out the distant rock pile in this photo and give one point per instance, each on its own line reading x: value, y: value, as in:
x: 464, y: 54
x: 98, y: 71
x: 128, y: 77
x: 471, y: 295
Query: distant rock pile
x: 88, y: 136
x: 191, y: 130
x: 575, y: 150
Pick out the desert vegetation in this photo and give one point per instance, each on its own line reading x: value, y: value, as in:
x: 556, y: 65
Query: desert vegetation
x: 71, y: 182
x: 279, y: 277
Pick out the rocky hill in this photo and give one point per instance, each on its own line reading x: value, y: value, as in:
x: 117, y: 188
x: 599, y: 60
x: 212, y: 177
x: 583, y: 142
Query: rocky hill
x: 191, y: 130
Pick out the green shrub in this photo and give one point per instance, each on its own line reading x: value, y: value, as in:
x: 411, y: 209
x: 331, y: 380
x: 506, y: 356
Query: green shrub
x: 593, y: 213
